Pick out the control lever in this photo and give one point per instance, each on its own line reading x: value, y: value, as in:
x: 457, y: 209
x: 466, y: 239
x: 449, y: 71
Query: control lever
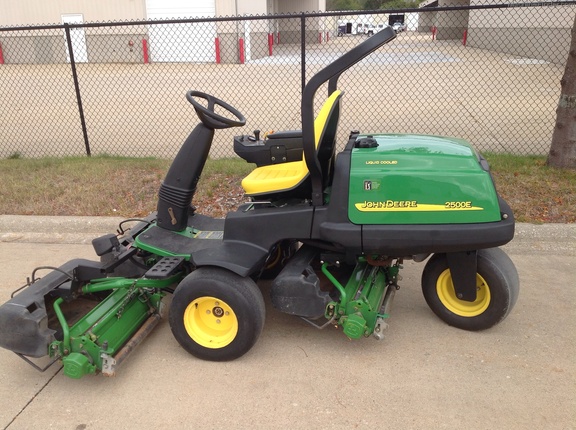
x: 256, y: 136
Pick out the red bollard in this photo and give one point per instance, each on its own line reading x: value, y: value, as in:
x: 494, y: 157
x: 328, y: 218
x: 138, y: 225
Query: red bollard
x: 434, y: 30
x: 320, y: 37
x: 145, y: 51
x: 1, y: 55
x: 327, y: 36
x: 217, y: 47
x: 277, y: 38
x: 270, y: 43
x: 465, y: 37
x: 241, y: 49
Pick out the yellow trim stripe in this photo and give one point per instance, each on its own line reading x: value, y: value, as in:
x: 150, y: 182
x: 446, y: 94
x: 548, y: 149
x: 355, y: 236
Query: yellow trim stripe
x: 418, y: 208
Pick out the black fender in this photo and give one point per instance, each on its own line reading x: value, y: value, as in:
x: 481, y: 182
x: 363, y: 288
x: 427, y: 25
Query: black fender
x: 239, y: 257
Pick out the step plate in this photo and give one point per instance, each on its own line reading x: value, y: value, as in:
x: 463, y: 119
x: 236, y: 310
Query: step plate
x: 166, y: 267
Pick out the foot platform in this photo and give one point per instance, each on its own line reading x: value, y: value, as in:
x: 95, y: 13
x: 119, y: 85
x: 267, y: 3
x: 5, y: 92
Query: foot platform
x: 166, y: 267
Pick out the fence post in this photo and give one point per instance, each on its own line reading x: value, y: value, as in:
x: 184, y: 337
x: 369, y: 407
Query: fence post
x: 303, y: 49
x: 1, y: 55
x: 145, y: 51
x: 77, y: 88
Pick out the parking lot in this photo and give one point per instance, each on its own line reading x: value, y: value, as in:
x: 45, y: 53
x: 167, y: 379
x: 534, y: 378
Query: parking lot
x: 520, y: 374
x: 412, y: 85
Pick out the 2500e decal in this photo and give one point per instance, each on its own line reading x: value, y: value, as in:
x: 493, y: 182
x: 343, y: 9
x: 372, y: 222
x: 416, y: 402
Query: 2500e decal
x: 414, y: 206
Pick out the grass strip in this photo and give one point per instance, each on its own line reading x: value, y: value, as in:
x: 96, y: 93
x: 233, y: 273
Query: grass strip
x: 128, y: 187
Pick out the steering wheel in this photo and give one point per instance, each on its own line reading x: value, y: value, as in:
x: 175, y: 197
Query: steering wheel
x: 210, y: 118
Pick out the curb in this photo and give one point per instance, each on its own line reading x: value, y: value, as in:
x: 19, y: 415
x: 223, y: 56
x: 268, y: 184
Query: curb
x: 553, y: 239
x: 529, y: 238
x: 55, y: 229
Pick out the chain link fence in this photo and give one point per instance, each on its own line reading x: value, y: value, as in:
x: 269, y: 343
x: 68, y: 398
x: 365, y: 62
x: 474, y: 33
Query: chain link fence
x: 487, y: 73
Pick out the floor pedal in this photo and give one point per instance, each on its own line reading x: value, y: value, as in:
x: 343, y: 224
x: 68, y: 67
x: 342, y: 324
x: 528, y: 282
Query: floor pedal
x: 166, y: 267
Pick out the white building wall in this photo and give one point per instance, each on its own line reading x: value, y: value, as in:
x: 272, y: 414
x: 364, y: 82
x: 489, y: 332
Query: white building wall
x: 512, y: 30
x: 37, y: 12
x: 529, y: 17
x: 288, y: 6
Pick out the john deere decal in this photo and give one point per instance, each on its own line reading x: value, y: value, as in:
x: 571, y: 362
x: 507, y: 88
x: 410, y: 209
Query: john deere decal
x: 413, y: 206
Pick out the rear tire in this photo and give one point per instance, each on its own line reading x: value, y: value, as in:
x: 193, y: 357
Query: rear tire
x: 217, y: 315
x: 497, y: 286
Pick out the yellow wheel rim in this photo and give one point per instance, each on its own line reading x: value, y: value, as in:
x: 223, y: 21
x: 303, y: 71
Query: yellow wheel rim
x: 210, y: 322
x: 447, y: 295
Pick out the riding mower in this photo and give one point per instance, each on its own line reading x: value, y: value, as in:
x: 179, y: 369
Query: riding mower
x: 330, y: 232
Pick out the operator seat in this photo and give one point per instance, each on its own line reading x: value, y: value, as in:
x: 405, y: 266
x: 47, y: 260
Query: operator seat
x: 286, y: 177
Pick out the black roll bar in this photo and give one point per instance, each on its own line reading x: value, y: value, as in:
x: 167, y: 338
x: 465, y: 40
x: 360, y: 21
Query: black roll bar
x: 331, y: 73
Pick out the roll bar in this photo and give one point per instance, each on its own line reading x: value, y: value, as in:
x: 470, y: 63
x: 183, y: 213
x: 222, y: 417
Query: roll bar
x: 331, y: 73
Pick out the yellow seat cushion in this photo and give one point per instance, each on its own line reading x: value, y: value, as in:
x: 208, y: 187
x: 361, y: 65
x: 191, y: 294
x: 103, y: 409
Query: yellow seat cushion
x: 275, y: 177
x: 287, y: 176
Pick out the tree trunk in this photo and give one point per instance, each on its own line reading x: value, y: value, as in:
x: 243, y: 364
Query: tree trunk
x: 563, y: 149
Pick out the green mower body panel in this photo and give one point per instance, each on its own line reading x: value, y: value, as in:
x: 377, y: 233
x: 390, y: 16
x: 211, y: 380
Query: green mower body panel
x: 417, y: 179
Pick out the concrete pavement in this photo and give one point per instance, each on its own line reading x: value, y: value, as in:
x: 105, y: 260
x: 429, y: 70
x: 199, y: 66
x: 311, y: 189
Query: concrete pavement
x: 520, y: 374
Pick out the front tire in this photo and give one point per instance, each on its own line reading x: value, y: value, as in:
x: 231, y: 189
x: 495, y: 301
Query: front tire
x: 217, y: 315
x: 497, y: 287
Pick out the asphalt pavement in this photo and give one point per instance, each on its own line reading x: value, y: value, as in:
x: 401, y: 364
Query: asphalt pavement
x: 520, y: 374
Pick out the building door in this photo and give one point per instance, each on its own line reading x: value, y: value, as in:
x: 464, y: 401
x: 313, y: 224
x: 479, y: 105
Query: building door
x: 78, y: 37
x: 181, y: 42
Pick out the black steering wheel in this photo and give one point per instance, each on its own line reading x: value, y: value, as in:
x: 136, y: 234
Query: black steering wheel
x: 210, y: 118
